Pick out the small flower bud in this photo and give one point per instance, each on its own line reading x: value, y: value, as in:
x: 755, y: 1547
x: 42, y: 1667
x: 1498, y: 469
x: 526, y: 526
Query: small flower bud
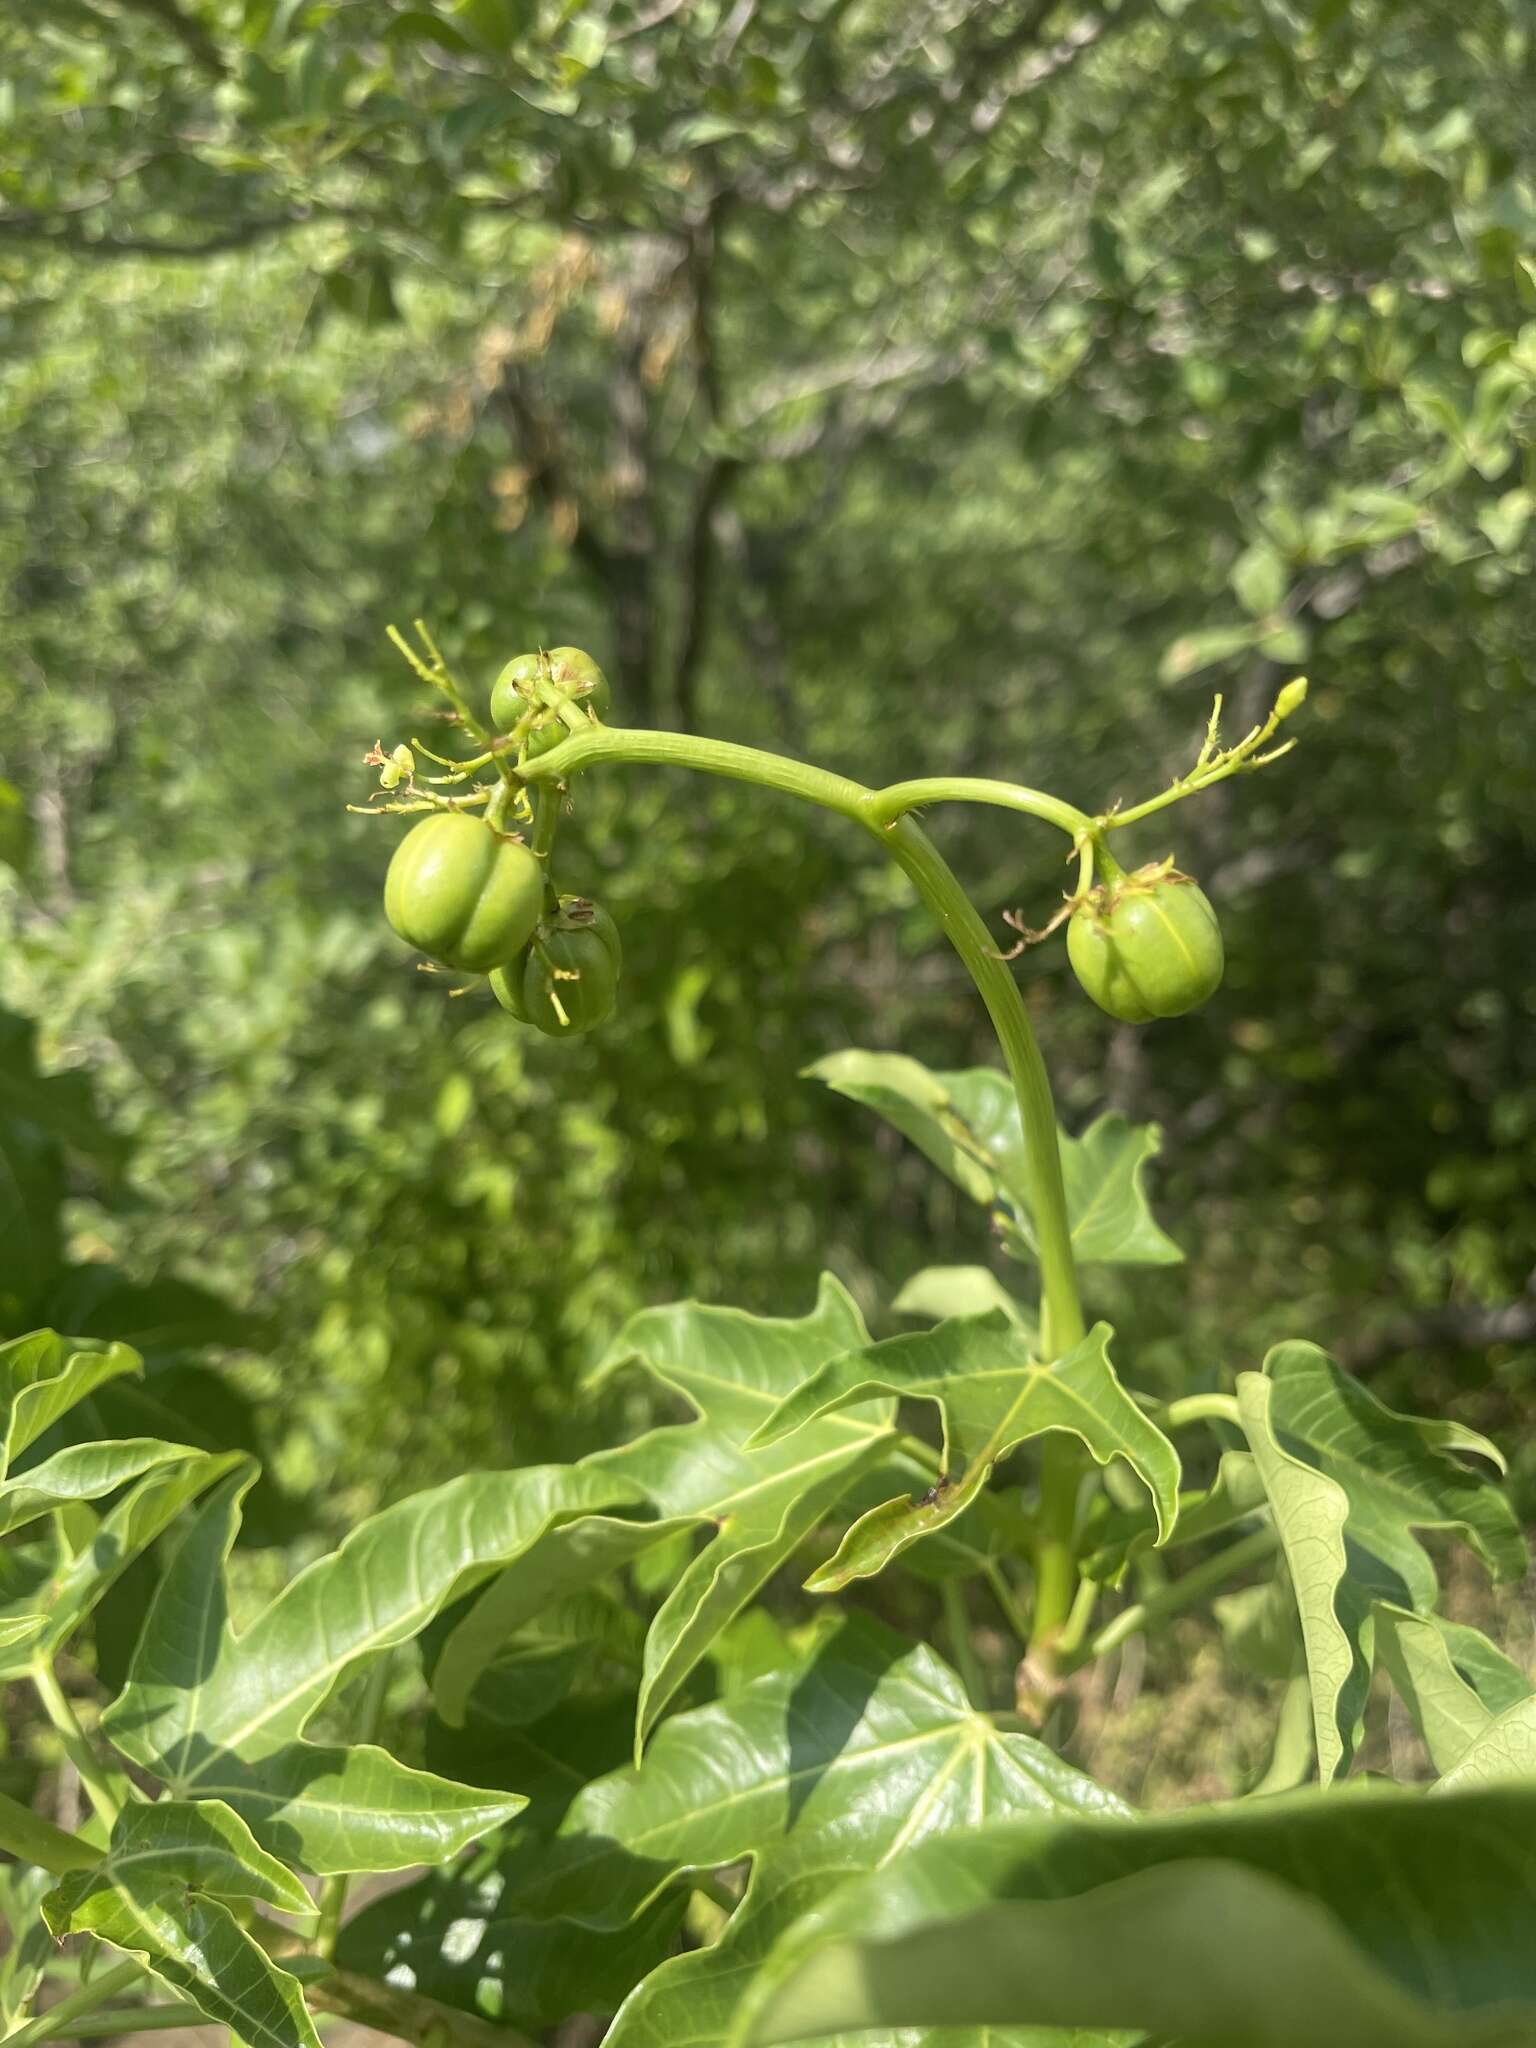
x: 1291, y: 698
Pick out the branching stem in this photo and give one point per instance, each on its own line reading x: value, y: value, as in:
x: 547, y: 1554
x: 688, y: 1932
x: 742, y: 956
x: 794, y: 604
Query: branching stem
x: 1187, y: 1591
x: 880, y: 813
x: 58, y: 2021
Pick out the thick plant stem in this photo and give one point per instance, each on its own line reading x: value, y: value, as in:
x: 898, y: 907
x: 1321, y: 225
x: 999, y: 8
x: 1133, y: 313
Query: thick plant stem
x: 72, y: 1736
x: 1061, y: 1318
x: 880, y: 813
x: 57, y: 2022
x: 957, y: 917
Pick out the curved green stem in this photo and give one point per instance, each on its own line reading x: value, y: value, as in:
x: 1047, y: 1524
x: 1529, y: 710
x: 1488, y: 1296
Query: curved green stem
x: 1201, y: 1408
x: 710, y: 757
x: 72, y: 1736
x: 892, y: 802
x: 1062, y: 1325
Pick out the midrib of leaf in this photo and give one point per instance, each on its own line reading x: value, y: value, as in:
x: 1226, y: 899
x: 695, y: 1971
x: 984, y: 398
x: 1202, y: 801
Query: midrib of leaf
x: 930, y: 1796
x: 206, y: 1628
x: 248, y: 1794
x: 762, y: 1788
x: 360, y: 1646
x: 849, y: 1424
x: 1311, y: 1513
x: 253, y: 2029
x: 943, y: 1390
x: 1039, y: 1375
x: 731, y: 1503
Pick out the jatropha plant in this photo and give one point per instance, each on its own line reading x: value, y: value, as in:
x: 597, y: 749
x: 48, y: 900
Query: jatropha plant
x: 646, y: 1796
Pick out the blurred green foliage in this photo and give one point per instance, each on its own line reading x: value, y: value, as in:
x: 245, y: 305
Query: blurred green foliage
x: 920, y: 389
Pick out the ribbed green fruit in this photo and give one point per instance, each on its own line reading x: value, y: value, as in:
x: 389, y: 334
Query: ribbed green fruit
x: 570, y: 670
x: 462, y: 893
x: 1146, y: 945
x: 582, y: 942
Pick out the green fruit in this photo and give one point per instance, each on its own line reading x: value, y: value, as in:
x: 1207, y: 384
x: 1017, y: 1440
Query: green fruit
x: 581, y: 944
x: 1146, y: 945
x: 462, y: 893
x: 576, y: 674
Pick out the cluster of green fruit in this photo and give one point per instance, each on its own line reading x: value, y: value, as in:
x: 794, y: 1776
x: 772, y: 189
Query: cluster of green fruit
x: 473, y: 897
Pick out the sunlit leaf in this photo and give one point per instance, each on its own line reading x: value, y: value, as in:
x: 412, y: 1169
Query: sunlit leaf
x: 756, y: 1504
x: 1504, y: 1750
x: 939, y: 1292
x: 64, y: 1577
x: 83, y: 1472
x: 817, y: 1772
x: 993, y: 1395
x: 1417, y: 1655
x: 214, y: 1714
x: 1351, y: 1483
x: 1311, y: 1511
x: 42, y: 1377
x: 176, y: 1844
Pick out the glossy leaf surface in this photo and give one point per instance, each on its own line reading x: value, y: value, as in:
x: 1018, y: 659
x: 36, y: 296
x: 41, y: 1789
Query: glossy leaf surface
x: 219, y: 1715
x: 844, y: 1766
x: 83, y: 1472
x: 993, y: 1395
x: 55, y: 1583
x: 42, y: 1376
x: 1351, y: 1483
x: 758, y: 1504
x: 156, y: 1894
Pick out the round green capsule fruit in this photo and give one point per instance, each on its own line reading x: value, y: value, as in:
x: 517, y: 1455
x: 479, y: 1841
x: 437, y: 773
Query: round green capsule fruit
x: 1146, y: 945
x: 571, y: 670
x: 462, y: 893
x: 573, y: 961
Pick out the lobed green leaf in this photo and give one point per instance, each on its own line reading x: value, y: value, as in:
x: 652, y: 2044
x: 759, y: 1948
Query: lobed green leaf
x: 756, y: 1504
x: 42, y: 1376
x: 157, y: 1894
x: 214, y: 1714
x: 993, y: 1395
x: 968, y: 1124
